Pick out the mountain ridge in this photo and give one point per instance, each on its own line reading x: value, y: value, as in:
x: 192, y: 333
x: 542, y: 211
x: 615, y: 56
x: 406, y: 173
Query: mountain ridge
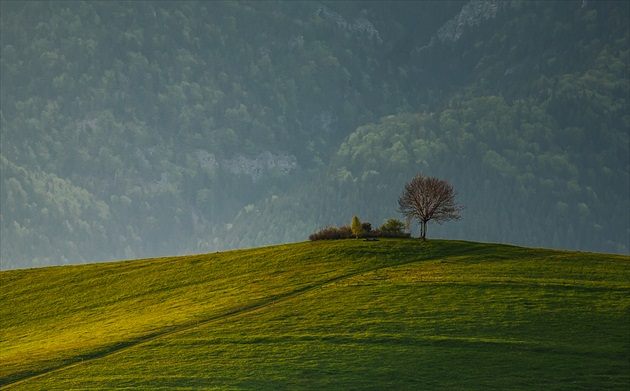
x: 126, y: 104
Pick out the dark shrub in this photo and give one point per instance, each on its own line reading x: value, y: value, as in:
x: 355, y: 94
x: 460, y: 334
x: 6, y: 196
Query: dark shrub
x: 332, y: 233
x: 391, y: 234
x: 393, y: 225
x: 391, y: 229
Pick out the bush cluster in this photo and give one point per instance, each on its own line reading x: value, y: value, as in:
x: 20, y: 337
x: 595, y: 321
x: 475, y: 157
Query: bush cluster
x: 391, y: 229
x: 331, y: 233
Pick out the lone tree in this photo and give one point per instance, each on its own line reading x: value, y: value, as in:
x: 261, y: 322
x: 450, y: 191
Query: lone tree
x: 426, y: 199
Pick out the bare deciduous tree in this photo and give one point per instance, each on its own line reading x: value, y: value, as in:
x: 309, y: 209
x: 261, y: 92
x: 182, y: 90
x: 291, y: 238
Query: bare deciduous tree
x: 426, y: 199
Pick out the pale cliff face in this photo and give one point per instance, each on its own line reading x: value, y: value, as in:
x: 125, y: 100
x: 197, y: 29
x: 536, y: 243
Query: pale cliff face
x: 252, y: 166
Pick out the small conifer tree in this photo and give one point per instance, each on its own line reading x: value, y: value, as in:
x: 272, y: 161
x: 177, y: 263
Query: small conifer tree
x: 357, y: 227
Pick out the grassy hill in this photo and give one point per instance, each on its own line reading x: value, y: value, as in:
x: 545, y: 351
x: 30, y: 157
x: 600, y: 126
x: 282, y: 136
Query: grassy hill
x: 392, y: 314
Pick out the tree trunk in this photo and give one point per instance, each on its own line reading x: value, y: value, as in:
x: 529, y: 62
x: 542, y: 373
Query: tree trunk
x: 423, y: 231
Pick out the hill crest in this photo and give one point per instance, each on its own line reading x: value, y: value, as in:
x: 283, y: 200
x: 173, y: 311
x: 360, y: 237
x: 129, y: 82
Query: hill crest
x: 86, y: 323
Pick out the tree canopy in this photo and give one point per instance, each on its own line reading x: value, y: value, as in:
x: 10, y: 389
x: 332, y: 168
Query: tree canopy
x: 141, y: 129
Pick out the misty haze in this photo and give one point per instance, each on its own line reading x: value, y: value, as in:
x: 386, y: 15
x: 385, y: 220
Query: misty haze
x: 149, y: 128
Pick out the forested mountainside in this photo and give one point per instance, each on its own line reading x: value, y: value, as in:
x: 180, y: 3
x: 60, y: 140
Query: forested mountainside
x: 138, y: 129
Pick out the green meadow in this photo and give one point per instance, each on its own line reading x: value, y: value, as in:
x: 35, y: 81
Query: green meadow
x: 349, y: 315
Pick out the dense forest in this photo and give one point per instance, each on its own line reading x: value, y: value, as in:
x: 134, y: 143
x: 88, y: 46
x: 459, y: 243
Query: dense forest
x: 146, y: 128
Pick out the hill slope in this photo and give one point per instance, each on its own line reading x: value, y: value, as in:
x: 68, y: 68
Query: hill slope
x: 393, y: 314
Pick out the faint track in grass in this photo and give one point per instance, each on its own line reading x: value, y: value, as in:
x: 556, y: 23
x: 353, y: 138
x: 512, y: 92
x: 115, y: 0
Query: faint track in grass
x: 124, y: 345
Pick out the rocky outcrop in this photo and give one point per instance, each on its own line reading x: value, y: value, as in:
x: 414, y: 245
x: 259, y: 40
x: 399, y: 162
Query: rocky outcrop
x: 252, y: 166
x: 360, y: 26
x: 473, y: 13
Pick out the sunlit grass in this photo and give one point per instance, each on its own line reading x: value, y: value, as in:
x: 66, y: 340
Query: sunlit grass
x: 393, y: 314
